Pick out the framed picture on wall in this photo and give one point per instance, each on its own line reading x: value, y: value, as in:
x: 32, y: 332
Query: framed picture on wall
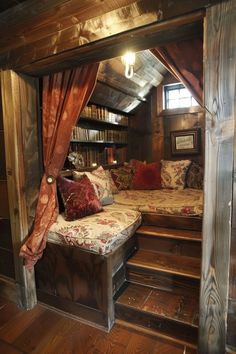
x: 185, y: 142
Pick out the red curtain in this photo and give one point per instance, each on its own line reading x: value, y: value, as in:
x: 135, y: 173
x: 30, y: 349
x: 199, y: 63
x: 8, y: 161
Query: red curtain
x: 185, y: 61
x: 64, y: 96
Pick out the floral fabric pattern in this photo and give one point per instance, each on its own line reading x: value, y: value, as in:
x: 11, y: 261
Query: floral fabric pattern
x: 114, y: 189
x: 101, y: 233
x: 100, y: 182
x: 187, y: 202
x: 79, y: 198
x: 173, y: 173
x: 194, y: 178
x: 122, y: 177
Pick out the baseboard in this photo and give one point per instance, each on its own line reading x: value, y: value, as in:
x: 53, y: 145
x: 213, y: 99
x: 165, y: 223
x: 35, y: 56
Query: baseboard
x: 8, y: 288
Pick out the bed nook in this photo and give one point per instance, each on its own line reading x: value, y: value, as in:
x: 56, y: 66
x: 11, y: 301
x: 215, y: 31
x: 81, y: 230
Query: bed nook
x: 117, y: 165
x: 84, y: 268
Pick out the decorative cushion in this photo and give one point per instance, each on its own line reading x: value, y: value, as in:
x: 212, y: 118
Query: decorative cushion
x: 185, y: 202
x: 122, y: 177
x: 147, y: 176
x: 100, y: 233
x: 114, y: 189
x: 78, y: 197
x: 173, y: 173
x: 136, y: 163
x: 194, y: 178
x: 100, y: 182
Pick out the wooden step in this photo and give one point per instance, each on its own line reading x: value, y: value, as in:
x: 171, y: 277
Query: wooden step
x: 171, y: 313
x: 166, y: 263
x: 172, y: 221
x: 154, y: 231
x: 178, y: 242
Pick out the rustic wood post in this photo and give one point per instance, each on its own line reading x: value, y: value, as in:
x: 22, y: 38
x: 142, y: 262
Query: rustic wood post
x: 20, y: 117
x: 220, y: 64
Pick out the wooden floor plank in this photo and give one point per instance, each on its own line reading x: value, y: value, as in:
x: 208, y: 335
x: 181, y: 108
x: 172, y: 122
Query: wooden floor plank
x: 155, y: 231
x: 38, y: 335
x: 17, y: 324
x: 6, y: 348
x: 168, y: 263
x: 51, y: 332
x: 8, y: 311
x: 177, y: 307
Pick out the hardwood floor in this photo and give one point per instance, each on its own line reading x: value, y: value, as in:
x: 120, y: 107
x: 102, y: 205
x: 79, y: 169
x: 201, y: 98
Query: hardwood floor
x: 44, y: 331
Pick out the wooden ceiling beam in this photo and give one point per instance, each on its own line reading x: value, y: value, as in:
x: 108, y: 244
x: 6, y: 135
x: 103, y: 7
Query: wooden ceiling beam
x: 136, y: 40
x: 37, y: 30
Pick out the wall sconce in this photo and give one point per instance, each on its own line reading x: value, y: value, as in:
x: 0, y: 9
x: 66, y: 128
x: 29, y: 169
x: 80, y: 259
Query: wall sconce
x: 128, y: 59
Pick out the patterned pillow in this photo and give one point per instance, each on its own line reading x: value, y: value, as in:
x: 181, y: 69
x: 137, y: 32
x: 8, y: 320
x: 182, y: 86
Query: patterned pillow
x: 122, y: 177
x: 101, y: 184
x: 114, y: 189
x: 173, y: 173
x: 194, y: 178
x: 78, y: 197
x: 147, y: 176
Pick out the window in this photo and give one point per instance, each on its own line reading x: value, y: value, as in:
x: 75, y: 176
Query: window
x: 177, y: 96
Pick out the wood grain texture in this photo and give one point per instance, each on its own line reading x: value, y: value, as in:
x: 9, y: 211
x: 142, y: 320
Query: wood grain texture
x: 172, y: 221
x: 74, y: 280
x: 42, y: 330
x: 16, y: 106
x: 180, y: 307
x: 166, y: 263
x: 137, y: 39
x: 62, y: 26
x: 220, y: 59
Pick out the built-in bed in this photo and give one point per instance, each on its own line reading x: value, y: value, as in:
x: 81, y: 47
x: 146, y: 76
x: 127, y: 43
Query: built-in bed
x: 83, y: 264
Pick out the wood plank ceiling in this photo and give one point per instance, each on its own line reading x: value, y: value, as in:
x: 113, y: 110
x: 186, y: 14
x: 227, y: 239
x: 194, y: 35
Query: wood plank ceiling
x: 53, y: 35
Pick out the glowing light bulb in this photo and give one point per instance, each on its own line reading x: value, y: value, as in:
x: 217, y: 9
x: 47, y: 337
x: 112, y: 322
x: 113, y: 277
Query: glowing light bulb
x: 128, y: 60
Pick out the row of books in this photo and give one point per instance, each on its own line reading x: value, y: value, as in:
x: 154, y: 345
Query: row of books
x: 102, y: 113
x: 82, y: 134
x: 106, y: 156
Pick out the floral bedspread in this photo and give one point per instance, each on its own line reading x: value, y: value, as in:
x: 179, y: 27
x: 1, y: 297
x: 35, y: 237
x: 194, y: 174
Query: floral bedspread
x: 100, y: 233
x: 186, y: 202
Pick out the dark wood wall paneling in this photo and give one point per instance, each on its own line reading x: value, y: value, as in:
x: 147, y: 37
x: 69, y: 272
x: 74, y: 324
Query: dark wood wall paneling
x: 220, y: 70
x: 150, y: 128
x: 50, y: 36
x: 6, y: 250
x: 20, y: 114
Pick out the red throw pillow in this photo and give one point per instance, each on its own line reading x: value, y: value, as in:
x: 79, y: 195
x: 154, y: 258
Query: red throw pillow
x: 147, y: 176
x: 79, y: 197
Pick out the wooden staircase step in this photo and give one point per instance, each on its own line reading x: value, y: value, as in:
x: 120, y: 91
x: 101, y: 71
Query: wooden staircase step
x: 172, y: 221
x: 171, y: 313
x: 154, y: 231
x: 166, y: 263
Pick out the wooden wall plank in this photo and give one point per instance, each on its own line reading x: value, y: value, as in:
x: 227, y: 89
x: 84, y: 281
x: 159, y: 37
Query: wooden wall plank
x: 63, y: 39
x: 20, y: 117
x: 60, y: 20
x: 220, y: 65
x: 64, y: 53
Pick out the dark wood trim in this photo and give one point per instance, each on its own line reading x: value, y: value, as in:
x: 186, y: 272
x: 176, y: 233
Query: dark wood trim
x: 141, y: 38
x: 220, y: 66
x: 20, y: 111
x: 172, y: 221
x: 8, y: 289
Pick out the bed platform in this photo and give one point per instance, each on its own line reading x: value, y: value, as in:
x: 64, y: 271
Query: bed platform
x: 83, y: 266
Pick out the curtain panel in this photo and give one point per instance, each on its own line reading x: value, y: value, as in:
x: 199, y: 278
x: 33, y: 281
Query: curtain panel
x: 184, y: 60
x: 64, y: 96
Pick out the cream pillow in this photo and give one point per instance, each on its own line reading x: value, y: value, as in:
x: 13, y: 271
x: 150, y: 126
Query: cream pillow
x: 100, y: 182
x: 173, y: 173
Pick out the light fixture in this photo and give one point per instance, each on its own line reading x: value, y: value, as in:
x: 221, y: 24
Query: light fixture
x: 128, y: 59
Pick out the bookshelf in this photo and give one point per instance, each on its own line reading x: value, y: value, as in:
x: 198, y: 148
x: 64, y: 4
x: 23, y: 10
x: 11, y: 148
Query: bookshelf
x: 101, y: 136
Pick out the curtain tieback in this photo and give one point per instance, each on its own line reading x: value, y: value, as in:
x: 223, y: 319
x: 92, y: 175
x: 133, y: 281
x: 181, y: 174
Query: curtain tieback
x: 50, y: 179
